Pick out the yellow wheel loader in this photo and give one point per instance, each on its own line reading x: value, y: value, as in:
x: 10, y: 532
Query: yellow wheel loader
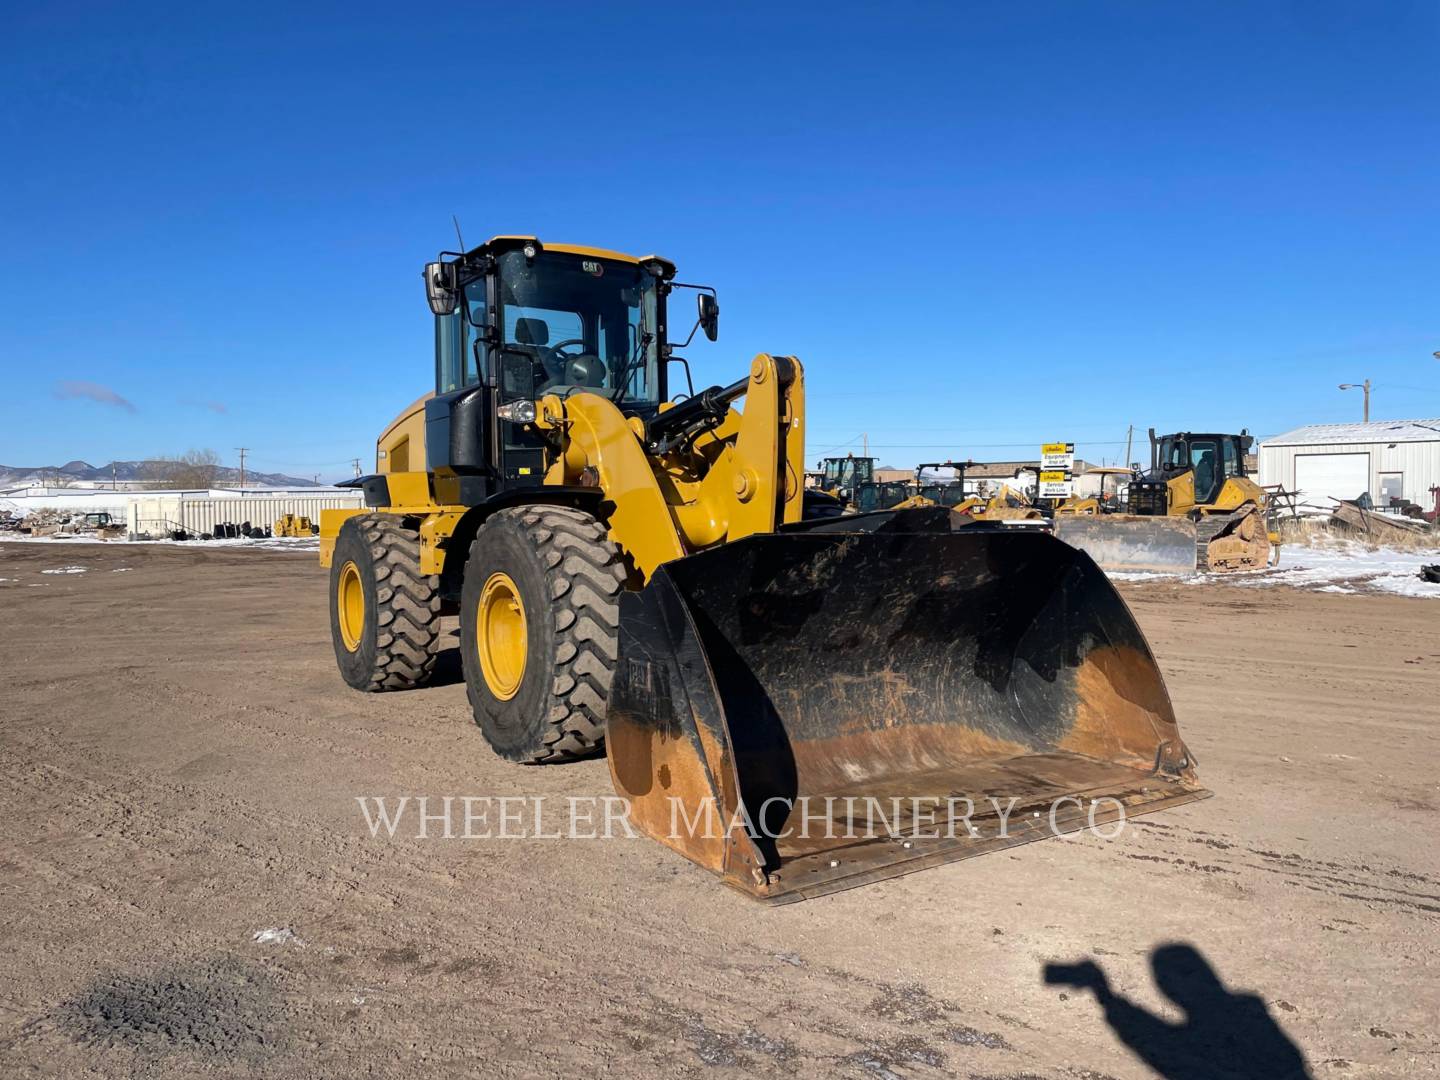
x: 1195, y: 510
x: 1104, y: 498
x: 842, y: 476
x: 1007, y: 504
x: 799, y: 704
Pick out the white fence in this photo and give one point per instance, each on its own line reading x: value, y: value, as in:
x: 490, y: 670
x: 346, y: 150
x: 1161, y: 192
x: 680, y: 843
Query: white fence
x: 158, y: 516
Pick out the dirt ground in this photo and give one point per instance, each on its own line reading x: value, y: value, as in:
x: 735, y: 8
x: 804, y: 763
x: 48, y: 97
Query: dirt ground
x: 179, y: 767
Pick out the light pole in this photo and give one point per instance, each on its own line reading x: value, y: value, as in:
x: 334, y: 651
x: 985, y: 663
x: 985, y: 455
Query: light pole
x: 1360, y: 386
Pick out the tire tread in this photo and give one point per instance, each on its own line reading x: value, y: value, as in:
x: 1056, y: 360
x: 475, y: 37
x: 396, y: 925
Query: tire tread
x: 585, y: 575
x: 407, y: 617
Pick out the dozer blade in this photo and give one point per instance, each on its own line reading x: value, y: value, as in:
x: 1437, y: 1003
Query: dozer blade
x: 1129, y: 542
x: 803, y: 712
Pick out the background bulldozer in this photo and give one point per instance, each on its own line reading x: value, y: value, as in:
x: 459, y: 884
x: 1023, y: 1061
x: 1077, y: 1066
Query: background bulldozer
x: 1196, y: 509
x: 642, y: 576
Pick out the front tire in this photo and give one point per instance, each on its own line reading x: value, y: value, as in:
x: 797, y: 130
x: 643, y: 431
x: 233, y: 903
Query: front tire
x: 384, y: 613
x: 539, y: 621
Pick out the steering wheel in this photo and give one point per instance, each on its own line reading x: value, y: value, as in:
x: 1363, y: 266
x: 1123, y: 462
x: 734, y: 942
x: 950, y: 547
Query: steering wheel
x: 575, y: 369
x: 553, y: 359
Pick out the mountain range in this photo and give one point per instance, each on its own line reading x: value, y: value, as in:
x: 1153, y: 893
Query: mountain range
x: 73, y: 471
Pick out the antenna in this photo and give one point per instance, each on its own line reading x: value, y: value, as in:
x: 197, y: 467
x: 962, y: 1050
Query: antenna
x: 456, y: 220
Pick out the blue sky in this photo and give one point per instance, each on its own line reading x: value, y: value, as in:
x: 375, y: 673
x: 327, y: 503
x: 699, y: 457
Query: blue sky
x: 980, y: 225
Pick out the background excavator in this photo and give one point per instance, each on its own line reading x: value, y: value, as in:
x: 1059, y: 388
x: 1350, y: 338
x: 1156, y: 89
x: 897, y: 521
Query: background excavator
x: 1195, y: 509
x: 640, y: 576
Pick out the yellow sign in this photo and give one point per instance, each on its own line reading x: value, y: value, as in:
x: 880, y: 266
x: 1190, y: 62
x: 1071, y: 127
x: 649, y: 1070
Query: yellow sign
x: 1056, y: 448
x: 1059, y: 476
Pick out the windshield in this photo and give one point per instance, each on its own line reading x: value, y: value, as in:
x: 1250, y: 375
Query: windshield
x: 849, y: 471
x: 572, y: 323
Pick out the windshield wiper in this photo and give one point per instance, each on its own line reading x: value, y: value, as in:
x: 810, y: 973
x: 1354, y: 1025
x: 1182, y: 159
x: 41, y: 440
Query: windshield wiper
x: 641, y: 344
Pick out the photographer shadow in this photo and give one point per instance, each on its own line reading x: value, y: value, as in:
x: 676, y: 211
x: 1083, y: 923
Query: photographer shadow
x: 1223, y: 1034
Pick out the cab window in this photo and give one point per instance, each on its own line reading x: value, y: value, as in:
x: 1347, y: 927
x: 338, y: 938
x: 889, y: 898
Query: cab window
x: 455, y: 336
x: 1204, y: 456
x: 449, y: 353
x: 573, y: 323
x: 477, y: 318
x: 1232, y: 458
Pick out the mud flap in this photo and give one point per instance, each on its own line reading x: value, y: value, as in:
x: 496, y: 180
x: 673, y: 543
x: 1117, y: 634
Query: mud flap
x: 1134, y: 543
x: 806, y: 712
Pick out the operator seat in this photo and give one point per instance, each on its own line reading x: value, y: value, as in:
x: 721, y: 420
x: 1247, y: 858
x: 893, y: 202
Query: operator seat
x: 532, y: 332
x: 534, y: 335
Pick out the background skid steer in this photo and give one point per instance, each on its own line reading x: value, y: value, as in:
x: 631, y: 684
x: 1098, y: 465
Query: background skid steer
x: 640, y: 577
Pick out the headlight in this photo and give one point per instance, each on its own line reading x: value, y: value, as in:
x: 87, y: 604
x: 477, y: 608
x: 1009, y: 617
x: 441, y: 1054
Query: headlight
x: 517, y: 412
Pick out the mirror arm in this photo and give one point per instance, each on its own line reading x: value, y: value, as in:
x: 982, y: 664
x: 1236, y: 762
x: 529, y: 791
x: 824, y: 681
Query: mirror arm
x: 687, y: 341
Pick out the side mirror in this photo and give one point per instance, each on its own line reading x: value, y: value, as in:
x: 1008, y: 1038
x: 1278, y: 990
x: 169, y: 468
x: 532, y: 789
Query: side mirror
x: 441, y: 290
x: 709, y: 315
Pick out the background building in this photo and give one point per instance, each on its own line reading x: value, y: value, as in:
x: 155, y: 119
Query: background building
x: 1390, y: 459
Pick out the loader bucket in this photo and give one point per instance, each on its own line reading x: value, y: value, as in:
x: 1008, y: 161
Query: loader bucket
x: 808, y: 711
x: 1132, y: 542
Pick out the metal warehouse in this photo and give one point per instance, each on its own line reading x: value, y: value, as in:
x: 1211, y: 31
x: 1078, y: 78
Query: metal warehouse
x: 1391, y: 459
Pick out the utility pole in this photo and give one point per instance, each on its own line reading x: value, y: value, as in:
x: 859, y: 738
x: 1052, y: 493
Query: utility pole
x: 355, y: 462
x: 1360, y: 386
x: 1129, y: 434
x: 243, y: 451
x: 866, y: 442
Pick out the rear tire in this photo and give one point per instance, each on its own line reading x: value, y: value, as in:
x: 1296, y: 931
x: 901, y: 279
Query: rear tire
x: 539, y: 622
x: 384, y: 613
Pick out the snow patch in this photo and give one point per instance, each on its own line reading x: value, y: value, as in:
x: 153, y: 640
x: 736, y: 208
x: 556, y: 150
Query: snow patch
x: 272, y: 543
x: 65, y: 570
x: 1344, y: 566
x: 1336, y: 566
x: 276, y: 935
x: 1136, y: 575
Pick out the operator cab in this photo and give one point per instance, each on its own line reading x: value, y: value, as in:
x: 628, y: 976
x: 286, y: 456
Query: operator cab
x: 843, y: 476
x: 937, y: 488
x: 516, y: 320
x: 1212, y: 458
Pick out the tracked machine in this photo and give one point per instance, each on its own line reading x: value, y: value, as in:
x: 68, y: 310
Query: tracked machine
x: 1195, y: 510
x: 640, y: 577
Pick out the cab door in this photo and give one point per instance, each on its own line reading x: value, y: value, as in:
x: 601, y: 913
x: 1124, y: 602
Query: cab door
x: 1208, y: 469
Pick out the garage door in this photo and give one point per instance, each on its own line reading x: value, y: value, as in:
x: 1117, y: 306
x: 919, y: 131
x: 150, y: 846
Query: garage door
x: 1320, y: 477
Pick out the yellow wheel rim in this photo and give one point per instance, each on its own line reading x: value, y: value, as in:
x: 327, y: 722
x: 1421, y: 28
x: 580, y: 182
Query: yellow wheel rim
x: 350, y: 606
x: 500, y: 636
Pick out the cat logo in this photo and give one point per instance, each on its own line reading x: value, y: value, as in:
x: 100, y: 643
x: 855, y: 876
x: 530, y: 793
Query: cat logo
x: 592, y: 267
